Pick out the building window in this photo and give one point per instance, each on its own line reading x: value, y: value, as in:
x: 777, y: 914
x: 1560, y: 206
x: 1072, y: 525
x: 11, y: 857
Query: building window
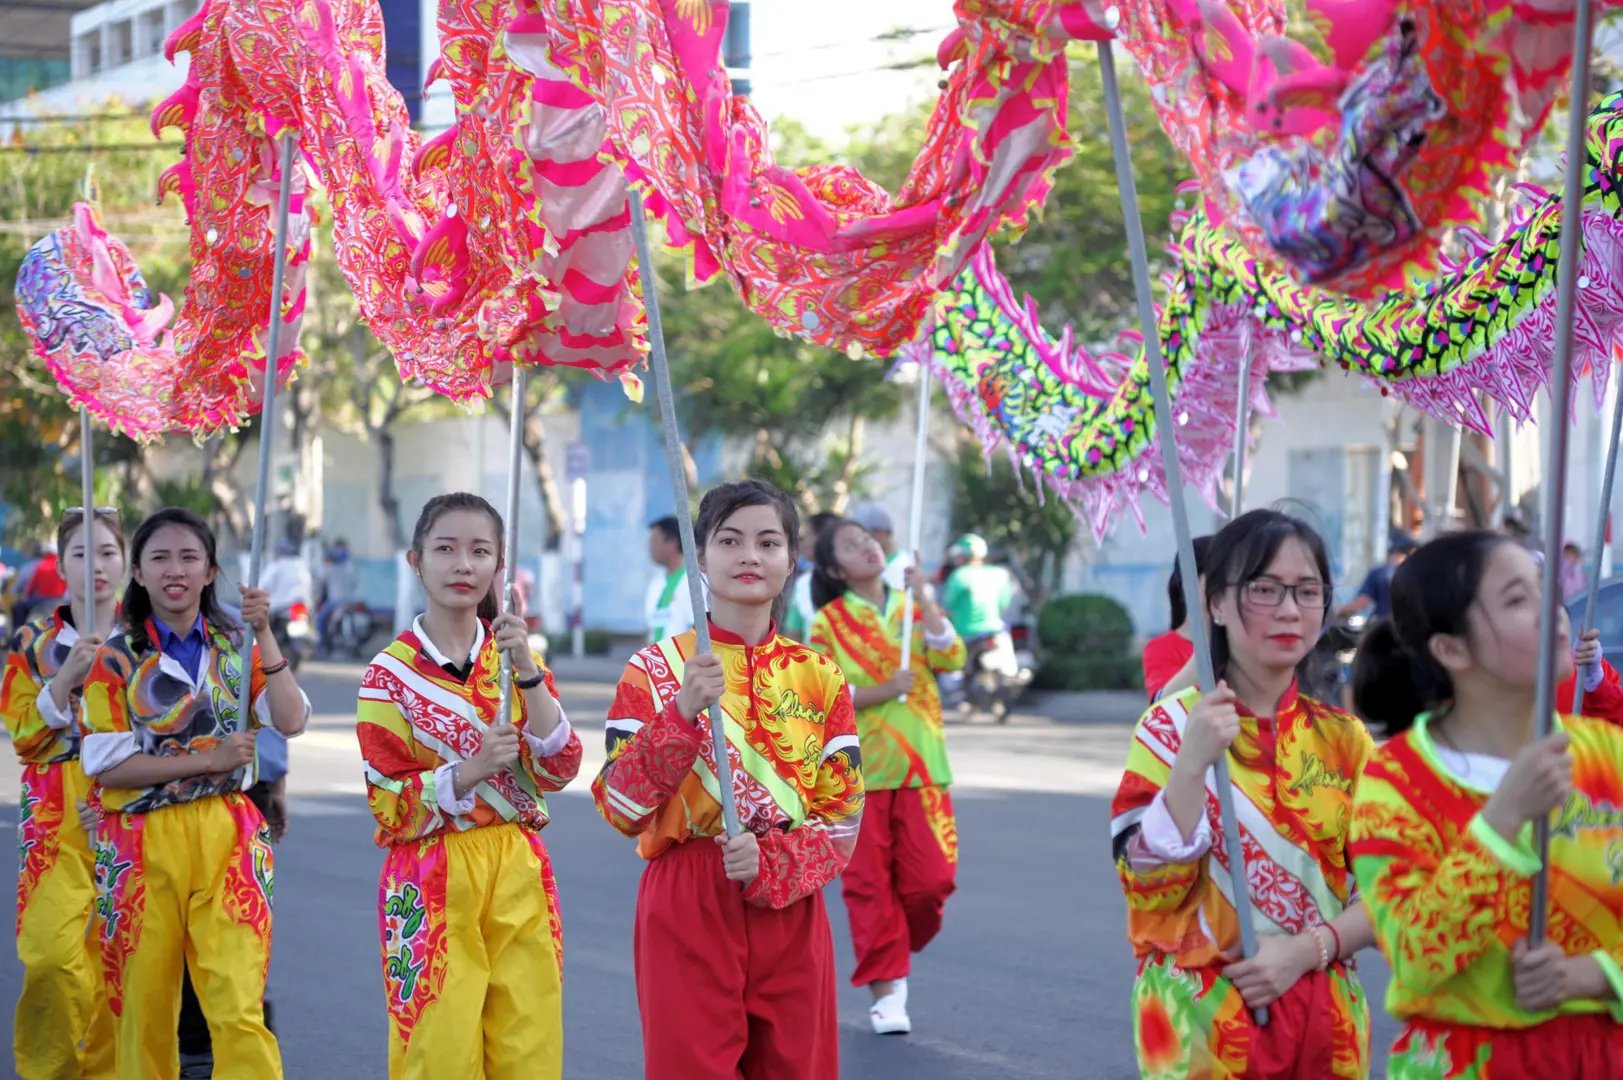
x: 89, y: 50
x: 121, y: 46
x: 150, y: 41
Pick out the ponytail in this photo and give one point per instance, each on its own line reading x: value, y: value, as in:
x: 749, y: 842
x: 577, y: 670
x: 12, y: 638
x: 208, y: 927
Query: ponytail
x: 491, y: 606
x: 1391, y: 685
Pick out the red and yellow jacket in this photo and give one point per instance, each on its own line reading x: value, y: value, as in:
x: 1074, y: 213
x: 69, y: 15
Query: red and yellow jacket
x: 416, y: 721
x: 40, y: 733
x: 1449, y: 896
x: 792, y: 744
x: 903, y: 744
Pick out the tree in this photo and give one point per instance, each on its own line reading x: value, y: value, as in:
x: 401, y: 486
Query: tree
x: 41, y: 173
x: 1014, y: 514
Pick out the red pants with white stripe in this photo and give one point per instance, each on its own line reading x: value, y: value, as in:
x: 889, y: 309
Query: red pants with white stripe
x: 728, y: 990
x: 899, y: 878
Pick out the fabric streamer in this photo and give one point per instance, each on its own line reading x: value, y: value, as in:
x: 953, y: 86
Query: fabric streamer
x: 1085, y: 424
x: 1342, y: 139
x: 822, y: 252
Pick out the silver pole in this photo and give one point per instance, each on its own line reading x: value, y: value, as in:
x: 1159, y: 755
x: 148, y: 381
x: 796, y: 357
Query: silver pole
x: 515, y: 455
x: 87, y: 483
x: 1555, y: 482
x: 1600, y: 537
x: 267, y: 411
x: 1166, y: 432
x: 1241, y: 422
x: 679, y: 483
x: 915, y: 522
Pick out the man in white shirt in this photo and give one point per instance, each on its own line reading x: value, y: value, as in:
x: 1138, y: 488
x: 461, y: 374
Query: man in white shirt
x: 669, y: 606
x: 287, y: 579
x: 876, y: 520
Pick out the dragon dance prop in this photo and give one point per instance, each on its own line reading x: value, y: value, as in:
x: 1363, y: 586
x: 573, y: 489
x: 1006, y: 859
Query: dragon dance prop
x: 1086, y: 426
x: 1341, y: 139
x: 822, y: 252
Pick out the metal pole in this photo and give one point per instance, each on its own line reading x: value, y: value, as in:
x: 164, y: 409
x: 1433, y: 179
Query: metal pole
x: 679, y: 483
x: 1555, y: 470
x: 915, y: 521
x: 1243, y: 409
x: 577, y: 555
x: 267, y: 411
x: 515, y: 455
x: 1166, y: 431
x: 1600, y: 538
x: 87, y: 482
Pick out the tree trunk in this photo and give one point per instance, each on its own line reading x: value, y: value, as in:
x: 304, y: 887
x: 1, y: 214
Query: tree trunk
x: 386, y: 494
x: 848, y: 469
x: 552, y: 500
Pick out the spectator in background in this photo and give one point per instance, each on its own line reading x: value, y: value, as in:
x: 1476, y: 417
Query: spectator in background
x: 287, y: 578
x: 1375, y: 594
x: 39, y: 585
x: 338, y: 589
x: 1165, y: 657
x: 669, y: 606
x: 876, y: 519
x: 1574, y: 579
x: 797, y: 619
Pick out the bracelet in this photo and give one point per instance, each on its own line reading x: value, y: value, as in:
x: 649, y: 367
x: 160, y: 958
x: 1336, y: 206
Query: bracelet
x: 1324, y: 952
x: 1337, y: 935
x: 532, y: 682
x: 274, y: 668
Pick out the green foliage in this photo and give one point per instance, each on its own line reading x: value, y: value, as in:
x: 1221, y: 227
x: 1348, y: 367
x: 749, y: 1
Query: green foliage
x: 1087, y: 643
x: 40, y: 179
x: 1015, y: 515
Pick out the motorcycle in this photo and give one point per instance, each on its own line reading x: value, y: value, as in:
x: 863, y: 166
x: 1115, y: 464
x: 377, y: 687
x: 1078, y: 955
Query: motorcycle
x: 1326, y: 672
x: 996, y: 672
x: 292, y: 630
x: 349, y: 630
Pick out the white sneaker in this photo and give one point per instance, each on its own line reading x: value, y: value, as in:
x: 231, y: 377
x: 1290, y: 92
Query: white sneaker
x: 889, y: 1013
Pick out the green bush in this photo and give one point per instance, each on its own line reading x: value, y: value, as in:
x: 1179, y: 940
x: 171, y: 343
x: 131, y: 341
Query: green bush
x: 1087, y: 644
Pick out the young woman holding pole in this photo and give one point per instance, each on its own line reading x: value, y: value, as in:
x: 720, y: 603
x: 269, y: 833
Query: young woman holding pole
x: 906, y: 857
x: 183, y: 858
x: 468, y: 909
x: 1442, y: 825
x: 1293, y: 763
x: 62, y: 1025
x: 734, y: 956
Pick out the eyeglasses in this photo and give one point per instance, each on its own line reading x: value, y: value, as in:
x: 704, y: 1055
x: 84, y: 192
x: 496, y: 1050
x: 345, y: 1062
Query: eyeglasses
x: 100, y: 511
x: 1266, y: 592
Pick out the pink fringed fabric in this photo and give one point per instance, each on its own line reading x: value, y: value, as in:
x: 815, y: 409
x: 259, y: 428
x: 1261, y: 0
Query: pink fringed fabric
x: 821, y: 251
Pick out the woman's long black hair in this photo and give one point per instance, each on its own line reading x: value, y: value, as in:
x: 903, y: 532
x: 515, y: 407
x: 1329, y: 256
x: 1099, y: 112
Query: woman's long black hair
x: 138, y: 602
x: 490, y: 604
x: 1395, y: 677
x: 1180, y: 610
x: 1241, y: 552
x: 827, y: 583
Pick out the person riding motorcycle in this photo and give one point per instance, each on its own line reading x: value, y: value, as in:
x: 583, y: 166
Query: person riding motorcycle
x: 975, y: 597
x: 287, y: 579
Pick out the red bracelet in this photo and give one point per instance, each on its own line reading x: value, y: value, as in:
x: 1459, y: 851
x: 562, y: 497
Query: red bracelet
x: 1337, y: 936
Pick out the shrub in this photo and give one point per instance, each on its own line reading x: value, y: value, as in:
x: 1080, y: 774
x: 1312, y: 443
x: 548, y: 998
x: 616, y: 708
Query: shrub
x: 1087, y: 644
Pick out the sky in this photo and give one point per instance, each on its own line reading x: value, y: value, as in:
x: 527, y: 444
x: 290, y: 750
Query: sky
x: 814, y: 62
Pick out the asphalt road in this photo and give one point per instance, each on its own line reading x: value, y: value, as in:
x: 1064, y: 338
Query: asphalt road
x: 1029, y: 979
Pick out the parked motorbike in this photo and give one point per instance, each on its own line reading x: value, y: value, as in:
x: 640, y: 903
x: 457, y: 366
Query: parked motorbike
x: 294, y: 634
x: 350, y: 629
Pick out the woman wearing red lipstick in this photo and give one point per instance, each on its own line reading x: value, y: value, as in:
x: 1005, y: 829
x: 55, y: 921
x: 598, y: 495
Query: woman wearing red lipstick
x: 907, y: 854
x: 1293, y: 763
x: 734, y: 957
x: 467, y: 909
x: 63, y: 1026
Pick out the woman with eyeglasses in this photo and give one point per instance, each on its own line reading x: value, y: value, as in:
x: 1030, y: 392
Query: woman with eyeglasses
x: 183, y: 857
x: 62, y: 1026
x: 1293, y: 763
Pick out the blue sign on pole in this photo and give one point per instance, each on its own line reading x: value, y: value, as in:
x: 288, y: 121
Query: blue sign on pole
x: 577, y: 461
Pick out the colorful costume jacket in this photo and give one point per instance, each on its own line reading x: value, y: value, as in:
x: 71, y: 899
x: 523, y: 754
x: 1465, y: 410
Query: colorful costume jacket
x: 792, y: 743
x: 38, y: 651
x: 1449, y: 896
x: 416, y: 721
x: 1292, y: 780
x: 903, y: 744
x: 143, y: 701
